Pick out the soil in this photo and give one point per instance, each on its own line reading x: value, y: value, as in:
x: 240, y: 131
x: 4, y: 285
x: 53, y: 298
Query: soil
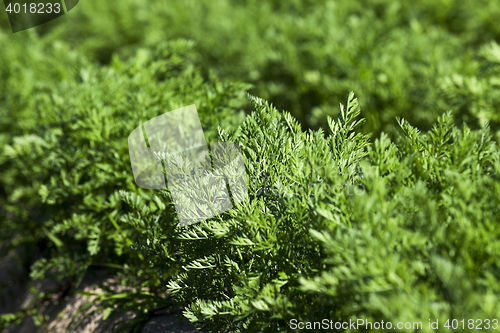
x: 15, y: 294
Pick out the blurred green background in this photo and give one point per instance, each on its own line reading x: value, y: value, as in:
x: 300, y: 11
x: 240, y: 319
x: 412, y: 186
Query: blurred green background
x: 414, y: 60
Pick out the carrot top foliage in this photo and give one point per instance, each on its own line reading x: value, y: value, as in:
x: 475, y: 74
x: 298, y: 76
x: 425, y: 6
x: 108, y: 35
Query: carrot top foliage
x: 389, y: 212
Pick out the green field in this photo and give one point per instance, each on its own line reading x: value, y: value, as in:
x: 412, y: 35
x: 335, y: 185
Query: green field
x: 385, y: 207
